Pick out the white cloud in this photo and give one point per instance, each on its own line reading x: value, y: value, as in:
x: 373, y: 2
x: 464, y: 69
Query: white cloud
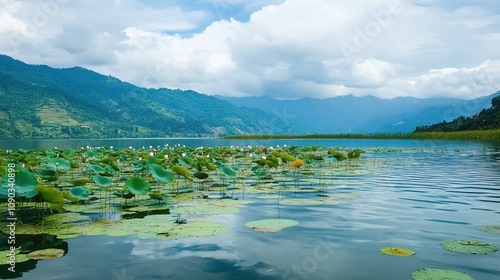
x: 285, y: 49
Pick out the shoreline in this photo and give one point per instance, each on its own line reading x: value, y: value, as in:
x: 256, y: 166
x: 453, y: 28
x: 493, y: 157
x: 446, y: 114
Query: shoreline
x: 453, y: 135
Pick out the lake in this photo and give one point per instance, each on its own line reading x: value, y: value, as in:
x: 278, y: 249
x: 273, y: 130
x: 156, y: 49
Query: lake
x: 412, y: 194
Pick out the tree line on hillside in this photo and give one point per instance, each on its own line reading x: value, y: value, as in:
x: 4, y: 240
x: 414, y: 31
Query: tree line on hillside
x: 484, y: 120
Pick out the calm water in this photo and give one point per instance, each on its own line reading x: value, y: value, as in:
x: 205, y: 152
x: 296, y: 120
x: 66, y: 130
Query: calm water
x: 431, y: 192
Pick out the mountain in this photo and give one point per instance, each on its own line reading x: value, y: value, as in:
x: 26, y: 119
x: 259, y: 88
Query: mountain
x: 486, y: 119
x: 346, y: 114
x: 43, y: 102
x: 437, y: 114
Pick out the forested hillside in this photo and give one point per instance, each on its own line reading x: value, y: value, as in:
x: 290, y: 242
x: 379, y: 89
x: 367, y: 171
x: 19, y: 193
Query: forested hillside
x: 486, y: 119
x: 43, y: 102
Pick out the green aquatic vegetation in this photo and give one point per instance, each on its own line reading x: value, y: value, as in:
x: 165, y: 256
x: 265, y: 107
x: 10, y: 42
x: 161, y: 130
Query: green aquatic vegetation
x: 53, y: 196
x: 96, y: 168
x: 80, y: 193
x: 59, y: 164
x: 46, y: 254
x: 495, y: 229
x: 102, y: 181
x: 469, y: 247
x: 161, y: 175
x: 271, y: 225
x: 5, y: 257
x: 25, y: 183
x: 397, y: 252
x: 439, y: 274
x: 137, y: 185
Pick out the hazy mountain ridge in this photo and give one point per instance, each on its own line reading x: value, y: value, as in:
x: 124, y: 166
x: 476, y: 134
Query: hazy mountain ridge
x: 44, y: 102
x: 367, y: 114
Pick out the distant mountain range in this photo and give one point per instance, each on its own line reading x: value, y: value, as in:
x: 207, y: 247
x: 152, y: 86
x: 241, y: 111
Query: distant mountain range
x: 43, y: 102
x: 38, y: 101
x: 367, y: 114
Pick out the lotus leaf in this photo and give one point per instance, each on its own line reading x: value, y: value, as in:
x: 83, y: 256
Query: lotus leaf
x: 201, y: 175
x: 25, y: 182
x: 46, y: 254
x: 96, y: 168
x: 47, y: 173
x: 158, y: 196
x: 271, y: 225
x: 490, y: 228
x: 5, y: 259
x: 228, y: 170
x: 79, y: 182
x: 137, y: 185
x: 439, y: 274
x: 182, y: 171
x: 161, y: 175
x: 469, y: 247
x: 398, y: 252
x: 195, y: 228
x: 52, y: 196
x: 102, y: 181
x: 59, y: 164
x: 297, y: 163
x: 80, y: 192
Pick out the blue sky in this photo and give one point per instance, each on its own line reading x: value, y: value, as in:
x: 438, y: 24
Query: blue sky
x: 281, y: 48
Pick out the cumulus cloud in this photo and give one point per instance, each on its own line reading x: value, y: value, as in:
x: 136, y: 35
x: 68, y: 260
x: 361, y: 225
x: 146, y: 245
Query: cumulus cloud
x: 282, y: 48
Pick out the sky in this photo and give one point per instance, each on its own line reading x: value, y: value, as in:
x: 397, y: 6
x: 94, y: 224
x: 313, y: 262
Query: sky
x: 285, y: 49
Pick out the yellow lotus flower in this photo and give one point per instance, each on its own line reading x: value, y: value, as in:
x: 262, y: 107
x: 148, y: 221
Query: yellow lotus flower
x: 297, y: 163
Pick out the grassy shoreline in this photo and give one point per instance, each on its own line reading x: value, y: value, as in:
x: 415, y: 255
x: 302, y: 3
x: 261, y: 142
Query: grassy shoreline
x: 455, y: 135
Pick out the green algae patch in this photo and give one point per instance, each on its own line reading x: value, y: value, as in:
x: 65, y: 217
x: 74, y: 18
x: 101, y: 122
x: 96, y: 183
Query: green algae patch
x: 5, y: 258
x: 68, y: 217
x: 439, y: 274
x: 495, y: 229
x: 397, y: 252
x: 46, y: 254
x: 469, y: 247
x: 271, y: 225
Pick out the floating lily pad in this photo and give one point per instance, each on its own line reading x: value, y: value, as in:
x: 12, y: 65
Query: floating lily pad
x: 398, y: 252
x: 439, y: 274
x: 490, y: 228
x: 271, y: 225
x: 195, y: 228
x: 5, y: 259
x: 46, y: 254
x: 469, y: 247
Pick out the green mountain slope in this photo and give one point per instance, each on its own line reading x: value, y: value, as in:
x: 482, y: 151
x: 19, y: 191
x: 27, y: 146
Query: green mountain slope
x: 43, y: 102
x: 486, y: 119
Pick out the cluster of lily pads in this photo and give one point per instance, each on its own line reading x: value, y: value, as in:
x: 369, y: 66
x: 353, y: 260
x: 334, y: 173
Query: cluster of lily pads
x: 161, y: 192
x: 474, y: 247
x: 175, y: 180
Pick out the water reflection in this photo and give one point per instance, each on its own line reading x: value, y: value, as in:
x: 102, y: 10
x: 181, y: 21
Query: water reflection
x: 28, y: 244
